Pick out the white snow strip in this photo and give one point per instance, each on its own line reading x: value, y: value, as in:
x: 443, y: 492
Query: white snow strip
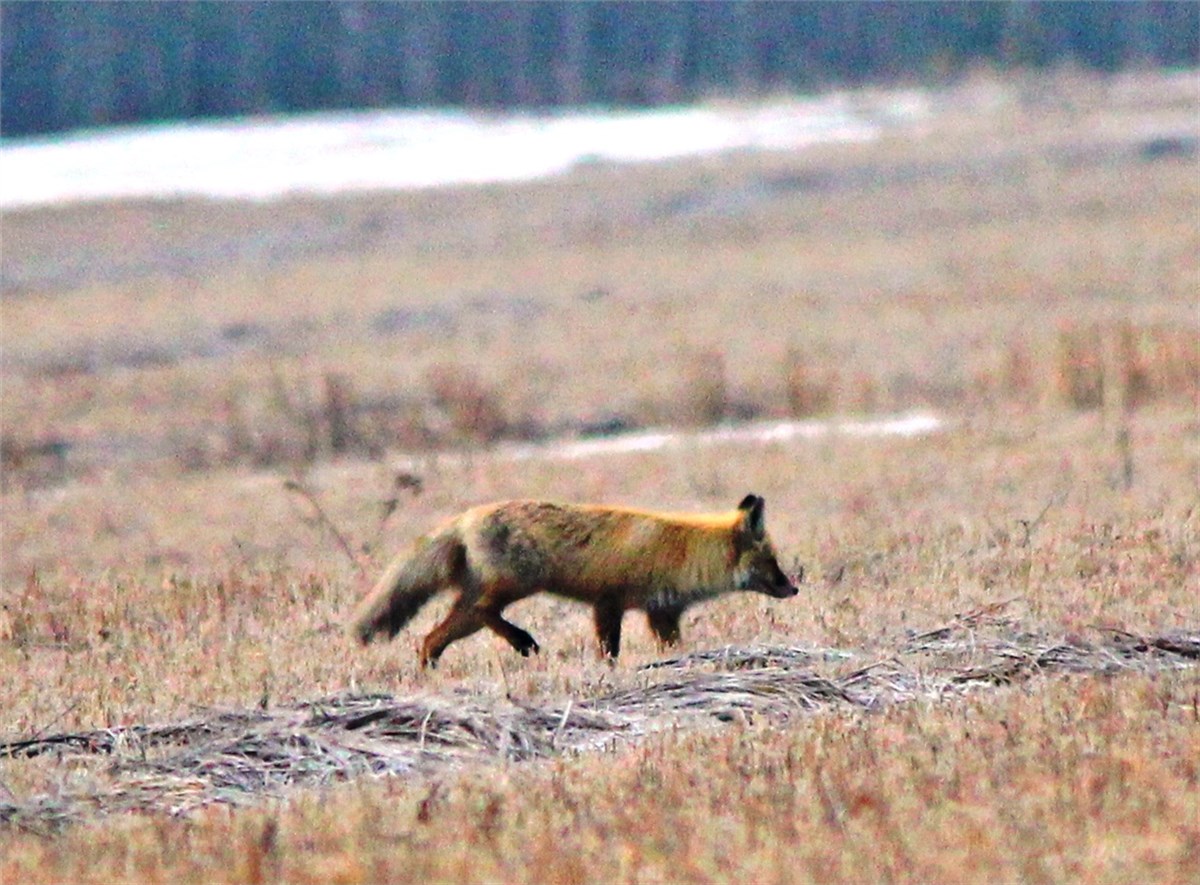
x: 262, y: 158
x: 916, y: 424
x: 760, y: 432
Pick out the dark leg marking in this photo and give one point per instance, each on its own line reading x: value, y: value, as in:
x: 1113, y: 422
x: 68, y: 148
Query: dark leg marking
x: 664, y: 624
x: 608, y: 626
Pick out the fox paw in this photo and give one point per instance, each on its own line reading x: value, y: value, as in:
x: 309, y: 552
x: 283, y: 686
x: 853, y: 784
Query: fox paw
x: 526, y: 644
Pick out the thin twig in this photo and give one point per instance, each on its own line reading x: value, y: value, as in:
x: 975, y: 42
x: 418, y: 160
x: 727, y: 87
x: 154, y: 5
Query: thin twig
x: 1030, y: 525
x: 424, y: 725
x: 561, y: 723
x: 303, y: 491
x: 41, y: 732
x: 403, y: 480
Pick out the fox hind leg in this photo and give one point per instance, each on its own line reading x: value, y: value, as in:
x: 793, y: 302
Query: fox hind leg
x: 463, y: 620
x: 664, y: 624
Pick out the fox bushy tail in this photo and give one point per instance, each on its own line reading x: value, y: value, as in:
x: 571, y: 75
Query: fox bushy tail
x: 409, y: 582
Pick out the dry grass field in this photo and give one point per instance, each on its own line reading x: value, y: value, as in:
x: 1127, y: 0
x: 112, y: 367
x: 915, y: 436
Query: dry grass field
x: 219, y: 420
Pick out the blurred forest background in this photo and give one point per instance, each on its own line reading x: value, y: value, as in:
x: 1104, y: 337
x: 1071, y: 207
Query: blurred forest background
x: 68, y: 65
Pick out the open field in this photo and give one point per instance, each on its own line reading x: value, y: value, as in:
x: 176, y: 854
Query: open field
x: 989, y: 673
x: 996, y: 255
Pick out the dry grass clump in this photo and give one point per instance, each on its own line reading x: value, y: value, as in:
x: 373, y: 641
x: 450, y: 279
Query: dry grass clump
x: 243, y: 756
x: 282, y: 424
x: 1127, y: 364
x: 706, y: 398
x: 955, y: 779
x: 471, y: 408
x: 808, y: 391
x: 299, y: 423
x: 1117, y: 364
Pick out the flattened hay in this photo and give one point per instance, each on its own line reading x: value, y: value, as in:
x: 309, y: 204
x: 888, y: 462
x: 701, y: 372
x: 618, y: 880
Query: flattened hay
x: 239, y: 757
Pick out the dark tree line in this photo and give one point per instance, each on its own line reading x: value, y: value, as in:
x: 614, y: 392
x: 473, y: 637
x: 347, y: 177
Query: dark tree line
x: 65, y: 65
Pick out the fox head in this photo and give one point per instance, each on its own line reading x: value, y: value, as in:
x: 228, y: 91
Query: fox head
x: 756, y: 565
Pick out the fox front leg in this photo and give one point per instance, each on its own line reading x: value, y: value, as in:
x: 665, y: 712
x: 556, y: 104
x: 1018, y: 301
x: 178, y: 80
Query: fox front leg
x: 608, y: 613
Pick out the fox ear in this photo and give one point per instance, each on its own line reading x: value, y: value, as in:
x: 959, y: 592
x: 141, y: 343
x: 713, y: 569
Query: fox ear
x: 752, y: 508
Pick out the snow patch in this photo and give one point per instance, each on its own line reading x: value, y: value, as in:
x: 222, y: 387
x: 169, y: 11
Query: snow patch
x: 264, y: 158
x: 911, y: 424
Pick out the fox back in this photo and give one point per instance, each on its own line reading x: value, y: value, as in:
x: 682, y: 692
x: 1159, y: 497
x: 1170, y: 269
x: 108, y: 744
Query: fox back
x: 587, y: 551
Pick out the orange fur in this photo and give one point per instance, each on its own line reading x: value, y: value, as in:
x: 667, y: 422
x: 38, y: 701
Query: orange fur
x: 609, y: 557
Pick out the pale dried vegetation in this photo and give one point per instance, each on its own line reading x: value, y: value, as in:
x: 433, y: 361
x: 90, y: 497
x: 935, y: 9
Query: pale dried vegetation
x: 990, y: 672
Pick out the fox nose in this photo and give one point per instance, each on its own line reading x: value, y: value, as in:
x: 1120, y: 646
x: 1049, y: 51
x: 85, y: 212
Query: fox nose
x: 790, y: 581
x: 787, y: 587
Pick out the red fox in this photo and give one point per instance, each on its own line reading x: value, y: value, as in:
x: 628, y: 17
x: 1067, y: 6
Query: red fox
x: 612, y: 558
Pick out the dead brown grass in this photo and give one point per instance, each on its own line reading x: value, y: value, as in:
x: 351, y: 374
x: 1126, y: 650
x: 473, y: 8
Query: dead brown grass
x: 243, y: 757
x: 896, y: 535
x: 1080, y: 779
x: 1128, y: 365
x: 156, y: 567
